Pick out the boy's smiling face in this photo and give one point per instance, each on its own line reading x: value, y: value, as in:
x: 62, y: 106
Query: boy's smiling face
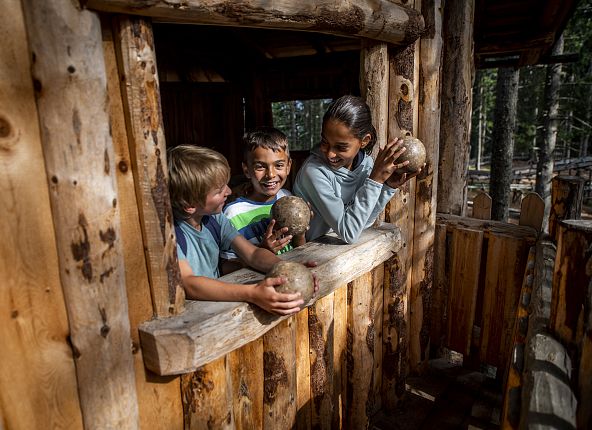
x: 339, y: 145
x: 214, y: 200
x: 268, y: 171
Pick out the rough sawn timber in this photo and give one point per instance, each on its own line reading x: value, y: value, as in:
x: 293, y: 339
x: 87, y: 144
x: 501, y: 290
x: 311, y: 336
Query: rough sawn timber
x: 372, y: 19
x: 208, y: 330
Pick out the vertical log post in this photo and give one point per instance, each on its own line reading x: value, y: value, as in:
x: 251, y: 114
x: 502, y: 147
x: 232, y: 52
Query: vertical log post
x: 428, y: 132
x: 532, y: 211
x: 159, y: 399
x: 438, y: 309
x: 139, y: 78
x: 279, y: 373
x: 584, y: 386
x: 303, y: 353
x: 455, y: 121
x: 339, y: 356
x: 71, y: 91
x: 482, y: 206
x: 246, y: 370
x: 34, y: 329
x: 566, y: 201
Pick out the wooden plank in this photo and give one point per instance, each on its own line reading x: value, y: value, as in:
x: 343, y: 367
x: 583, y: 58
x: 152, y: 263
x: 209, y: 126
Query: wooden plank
x: 37, y: 375
x: 532, y: 211
x: 159, y: 399
x: 71, y: 91
x: 428, y: 131
x: 566, y: 201
x: 584, y: 387
x: 455, y: 122
x: 207, y: 402
x: 360, y: 352
x: 540, y: 302
x: 464, y: 280
x: 439, y: 305
x: 339, y: 356
x: 246, y: 371
x: 279, y: 376
x: 506, y: 262
x: 208, y: 330
x: 379, y: 19
x: 482, y: 206
x: 303, y: 394
x: 141, y: 101
x: 570, y: 280
x: 488, y: 227
x: 377, y: 318
x: 320, y: 327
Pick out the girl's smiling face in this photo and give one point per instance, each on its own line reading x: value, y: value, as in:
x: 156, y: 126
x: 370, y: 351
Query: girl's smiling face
x: 339, y: 145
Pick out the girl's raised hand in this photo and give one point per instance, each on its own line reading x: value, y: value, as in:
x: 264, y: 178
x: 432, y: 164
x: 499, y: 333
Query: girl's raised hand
x: 396, y: 180
x: 385, y: 163
x: 275, y: 240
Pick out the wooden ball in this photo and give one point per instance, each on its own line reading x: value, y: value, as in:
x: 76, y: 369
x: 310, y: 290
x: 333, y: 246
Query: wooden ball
x: 415, y: 153
x: 299, y: 279
x: 291, y: 212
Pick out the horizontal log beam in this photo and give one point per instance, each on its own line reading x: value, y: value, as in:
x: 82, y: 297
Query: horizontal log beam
x: 208, y: 330
x: 373, y: 19
x: 488, y: 226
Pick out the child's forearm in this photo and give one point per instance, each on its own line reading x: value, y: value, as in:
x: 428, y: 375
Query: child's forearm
x: 299, y: 240
x: 202, y: 288
x: 262, y: 259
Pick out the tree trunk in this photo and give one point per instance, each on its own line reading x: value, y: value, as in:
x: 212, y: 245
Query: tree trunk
x: 503, y: 142
x: 478, y: 127
x: 549, y: 130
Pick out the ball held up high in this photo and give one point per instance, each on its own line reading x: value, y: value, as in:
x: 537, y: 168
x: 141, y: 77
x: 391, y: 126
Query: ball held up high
x: 291, y: 212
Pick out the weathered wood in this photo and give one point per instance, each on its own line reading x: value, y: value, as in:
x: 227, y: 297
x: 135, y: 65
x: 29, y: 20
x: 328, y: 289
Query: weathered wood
x: 207, y: 401
x: 482, y: 206
x: 279, y: 376
x: 566, y: 201
x: 207, y: 330
x: 532, y: 211
x: 464, y: 281
x: 570, y: 280
x: 360, y: 352
x: 377, y: 318
x: 504, y: 271
x: 141, y: 100
x: 381, y: 20
x: 246, y: 371
x: 71, y: 91
x: 303, y: 394
x: 540, y: 302
x: 439, y: 305
x: 159, y: 399
x: 320, y: 327
x: 36, y: 357
x: 488, y: 227
x: 428, y: 131
x: 584, y: 385
x: 455, y: 120
x: 339, y: 356
x: 512, y: 388
x: 547, y: 398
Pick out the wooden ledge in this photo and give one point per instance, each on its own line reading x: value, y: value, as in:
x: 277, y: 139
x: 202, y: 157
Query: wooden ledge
x: 488, y: 226
x: 209, y: 330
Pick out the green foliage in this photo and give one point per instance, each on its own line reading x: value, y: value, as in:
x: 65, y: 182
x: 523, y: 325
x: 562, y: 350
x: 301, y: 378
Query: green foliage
x: 300, y: 120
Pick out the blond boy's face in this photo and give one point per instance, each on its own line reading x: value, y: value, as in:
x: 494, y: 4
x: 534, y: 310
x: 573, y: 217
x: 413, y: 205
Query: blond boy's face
x: 215, y: 200
x: 268, y: 171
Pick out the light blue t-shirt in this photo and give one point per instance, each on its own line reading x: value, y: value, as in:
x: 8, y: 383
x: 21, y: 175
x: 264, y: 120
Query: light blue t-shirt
x: 203, y: 252
x: 345, y: 201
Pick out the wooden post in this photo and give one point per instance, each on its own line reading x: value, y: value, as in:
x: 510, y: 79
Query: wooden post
x: 279, y: 373
x: 506, y: 261
x: 207, y: 402
x: 540, y: 302
x: 439, y: 314
x: 482, y: 206
x: 428, y: 132
x: 159, y: 399
x: 141, y: 100
x: 566, y: 201
x: 303, y: 353
x: 320, y: 328
x: 37, y: 375
x: 464, y: 281
x: 377, y: 317
x: 71, y: 91
x: 570, y: 280
x: 455, y: 122
x: 339, y: 356
x: 360, y: 352
x: 584, y: 386
x: 246, y: 370
x: 532, y: 211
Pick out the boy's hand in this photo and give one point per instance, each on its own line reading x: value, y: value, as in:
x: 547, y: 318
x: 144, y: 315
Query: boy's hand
x: 266, y: 297
x: 275, y: 240
x: 396, y: 180
x: 385, y: 163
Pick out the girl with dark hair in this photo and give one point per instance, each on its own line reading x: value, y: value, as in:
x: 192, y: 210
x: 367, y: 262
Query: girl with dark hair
x: 344, y: 186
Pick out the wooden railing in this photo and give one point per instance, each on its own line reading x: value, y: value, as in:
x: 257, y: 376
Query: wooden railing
x: 246, y: 368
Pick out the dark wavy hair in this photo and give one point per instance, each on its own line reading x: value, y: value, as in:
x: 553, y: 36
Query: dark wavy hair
x: 355, y: 114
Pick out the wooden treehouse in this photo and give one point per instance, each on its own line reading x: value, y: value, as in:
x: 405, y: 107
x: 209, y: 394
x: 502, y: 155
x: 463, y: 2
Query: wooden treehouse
x: 96, y: 333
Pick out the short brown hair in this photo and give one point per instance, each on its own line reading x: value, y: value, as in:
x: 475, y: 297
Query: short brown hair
x: 193, y: 172
x: 264, y: 137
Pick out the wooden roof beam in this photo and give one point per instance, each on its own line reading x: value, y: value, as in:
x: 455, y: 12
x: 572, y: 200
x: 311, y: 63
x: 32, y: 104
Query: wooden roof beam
x: 373, y: 19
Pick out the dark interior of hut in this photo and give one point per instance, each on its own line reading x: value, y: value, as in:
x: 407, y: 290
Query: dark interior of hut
x: 217, y: 82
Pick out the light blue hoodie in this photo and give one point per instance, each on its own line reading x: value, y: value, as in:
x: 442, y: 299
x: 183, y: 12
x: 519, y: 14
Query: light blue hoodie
x: 345, y: 201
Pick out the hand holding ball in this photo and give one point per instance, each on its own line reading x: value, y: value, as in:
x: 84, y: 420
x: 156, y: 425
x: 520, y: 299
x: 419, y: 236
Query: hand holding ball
x: 299, y: 279
x: 291, y: 212
x: 415, y: 154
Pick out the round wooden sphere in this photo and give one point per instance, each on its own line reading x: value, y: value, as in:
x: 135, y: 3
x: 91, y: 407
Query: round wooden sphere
x: 415, y: 153
x: 299, y: 279
x: 291, y: 212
